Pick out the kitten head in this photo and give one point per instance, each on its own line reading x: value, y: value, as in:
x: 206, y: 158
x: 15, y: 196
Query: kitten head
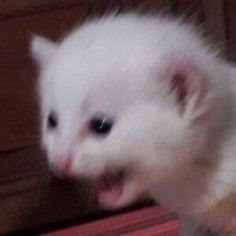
x: 123, y: 104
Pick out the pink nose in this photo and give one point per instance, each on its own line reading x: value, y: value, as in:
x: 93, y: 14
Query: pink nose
x: 61, y: 166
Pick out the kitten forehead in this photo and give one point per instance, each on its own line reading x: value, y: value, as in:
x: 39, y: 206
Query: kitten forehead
x: 108, y: 92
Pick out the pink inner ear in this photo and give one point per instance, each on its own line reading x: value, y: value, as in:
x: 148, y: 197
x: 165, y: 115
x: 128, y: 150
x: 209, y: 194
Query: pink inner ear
x: 179, y: 87
x: 185, y: 80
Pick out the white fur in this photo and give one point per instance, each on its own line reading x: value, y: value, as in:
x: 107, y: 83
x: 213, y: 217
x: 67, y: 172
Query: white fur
x: 120, y: 66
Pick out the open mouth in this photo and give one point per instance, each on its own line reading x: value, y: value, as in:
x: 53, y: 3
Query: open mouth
x: 110, y: 187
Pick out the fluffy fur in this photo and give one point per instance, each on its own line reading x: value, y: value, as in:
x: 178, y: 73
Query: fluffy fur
x: 172, y: 99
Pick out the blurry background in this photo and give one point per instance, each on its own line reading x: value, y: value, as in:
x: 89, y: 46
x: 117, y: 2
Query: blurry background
x: 30, y: 197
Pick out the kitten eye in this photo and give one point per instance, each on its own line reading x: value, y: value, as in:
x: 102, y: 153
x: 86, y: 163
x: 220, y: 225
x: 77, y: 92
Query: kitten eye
x: 100, y: 126
x: 52, y: 121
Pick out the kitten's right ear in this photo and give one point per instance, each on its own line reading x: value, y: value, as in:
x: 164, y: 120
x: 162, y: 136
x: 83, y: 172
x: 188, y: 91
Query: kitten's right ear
x: 43, y: 50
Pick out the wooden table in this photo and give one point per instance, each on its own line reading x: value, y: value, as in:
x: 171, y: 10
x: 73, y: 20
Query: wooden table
x: 149, y: 221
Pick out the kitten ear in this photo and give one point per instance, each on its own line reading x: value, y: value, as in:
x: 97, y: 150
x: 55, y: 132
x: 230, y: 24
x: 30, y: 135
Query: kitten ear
x: 42, y: 50
x: 188, y: 87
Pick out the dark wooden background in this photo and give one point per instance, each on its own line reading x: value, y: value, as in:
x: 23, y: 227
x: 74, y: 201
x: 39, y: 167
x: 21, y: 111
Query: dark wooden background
x: 30, y: 197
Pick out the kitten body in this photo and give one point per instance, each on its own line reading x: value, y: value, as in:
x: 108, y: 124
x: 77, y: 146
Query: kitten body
x: 166, y: 105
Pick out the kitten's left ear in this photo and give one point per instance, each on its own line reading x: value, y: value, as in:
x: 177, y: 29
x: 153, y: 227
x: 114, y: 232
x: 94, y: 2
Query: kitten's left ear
x: 187, y: 83
x: 43, y: 50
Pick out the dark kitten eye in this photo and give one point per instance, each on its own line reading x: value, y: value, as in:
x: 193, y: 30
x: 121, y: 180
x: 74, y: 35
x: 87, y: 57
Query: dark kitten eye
x: 52, y: 121
x: 101, y: 126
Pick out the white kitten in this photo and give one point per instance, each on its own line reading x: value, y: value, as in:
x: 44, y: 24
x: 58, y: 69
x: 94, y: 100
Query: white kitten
x: 141, y: 105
